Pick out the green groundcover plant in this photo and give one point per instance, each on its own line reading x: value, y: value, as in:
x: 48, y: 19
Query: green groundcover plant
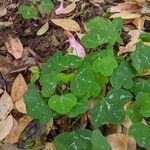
x: 68, y: 82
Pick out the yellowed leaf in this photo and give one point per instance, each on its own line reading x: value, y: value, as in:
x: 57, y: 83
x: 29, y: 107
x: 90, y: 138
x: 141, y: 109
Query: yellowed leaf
x: 67, y: 24
x: 3, y: 11
x: 49, y: 146
x: 20, y: 106
x: 69, y: 8
x: 5, y: 127
x: 14, y: 46
x: 6, y: 105
x: 15, y: 133
x: 43, y: 29
x: 118, y: 141
x: 19, y: 88
x: 125, y: 15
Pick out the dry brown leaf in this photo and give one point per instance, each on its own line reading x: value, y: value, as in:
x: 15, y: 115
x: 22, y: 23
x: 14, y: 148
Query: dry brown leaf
x: 3, y: 11
x: 8, y: 147
x: 49, y: 146
x: 1, y: 91
x: 73, y: 1
x: 15, y: 133
x: 69, y: 8
x: 5, y: 127
x: 125, y: 15
x: 14, y: 46
x: 118, y: 141
x: 5, y: 24
x: 99, y: 1
x: 43, y: 29
x: 20, y: 106
x: 67, y: 24
x: 131, y: 143
x: 125, y: 7
x: 6, y: 105
x: 19, y: 88
x: 139, y: 23
x: 49, y: 125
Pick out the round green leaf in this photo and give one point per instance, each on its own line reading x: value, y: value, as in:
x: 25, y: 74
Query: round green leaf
x: 141, y: 133
x: 27, y: 12
x: 62, y: 104
x: 47, y: 5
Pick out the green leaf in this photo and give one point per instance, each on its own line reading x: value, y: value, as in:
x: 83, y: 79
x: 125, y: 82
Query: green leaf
x: 145, y: 37
x: 101, y: 79
x: 76, y: 140
x: 110, y: 109
x: 85, y: 82
x: 122, y: 76
x: 101, y: 31
x: 140, y: 108
x: 27, y: 12
x: 140, y: 85
x: 49, y: 83
x: 99, y: 141
x: 36, y: 106
x: 66, y: 77
x: 47, y: 6
x: 62, y: 104
x: 141, y: 57
x: 141, y: 133
x: 80, y: 108
x: 106, y: 63
x: 35, y: 73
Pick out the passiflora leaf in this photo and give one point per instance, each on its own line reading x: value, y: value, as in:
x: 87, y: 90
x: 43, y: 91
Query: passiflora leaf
x: 85, y: 82
x: 110, y: 109
x: 122, y: 76
x: 62, y: 104
x: 141, y: 57
x: 79, y: 140
x: 99, y: 141
x: 36, y: 106
x: 100, y: 31
x: 141, y: 133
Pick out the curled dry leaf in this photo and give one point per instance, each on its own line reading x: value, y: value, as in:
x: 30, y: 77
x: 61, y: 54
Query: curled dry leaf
x: 49, y: 146
x: 5, y: 24
x: 5, y: 127
x: 118, y: 141
x: 13, y: 137
x: 43, y: 29
x: 14, y: 46
x: 67, y: 24
x: 19, y: 88
x: 6, y: 105
x: 125, y: 7
x: 125, y: 15
x: 3, y: 11
x: 69, y: 8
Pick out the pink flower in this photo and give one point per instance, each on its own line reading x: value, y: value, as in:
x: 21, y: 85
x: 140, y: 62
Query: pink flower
x: 78, y: 49
x: 60, y: 9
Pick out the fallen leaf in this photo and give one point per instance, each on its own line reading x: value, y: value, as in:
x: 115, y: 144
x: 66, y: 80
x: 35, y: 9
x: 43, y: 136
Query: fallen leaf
x: 131, y: 143
x: 78, y: 49
x: 3, y: 11
x: 49, y: 125
x: 1, y: 91
x: 125, y: 7
x: 14, y: 46
x: 7, y: 147
x: 69, y: 8
x: 67, y: 24
x: 20, y: 106
x: 5, y: 24
x: 43, y: 29
x: 125, y: 15
x: 139, y: 23
x: 19, y: 88
x: 99, y: 1
x: 49, y: 146
x: 5, y: 127
x: 118, y: 141
x: 13, y: 137
x: 73, y: 1
x: 6, y: 105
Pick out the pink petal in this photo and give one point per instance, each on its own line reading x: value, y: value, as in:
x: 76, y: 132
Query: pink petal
x: 60, y: 9
x: 78, y: 49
